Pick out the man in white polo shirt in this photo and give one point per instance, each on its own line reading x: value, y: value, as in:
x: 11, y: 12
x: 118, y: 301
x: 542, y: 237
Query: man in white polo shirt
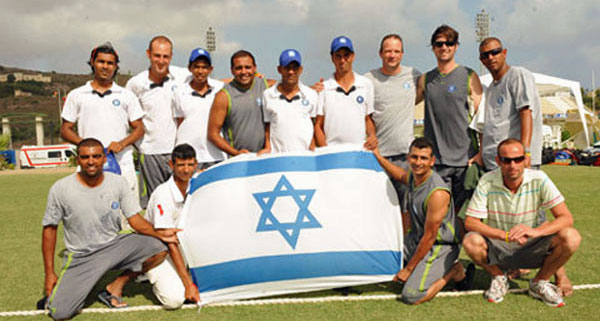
x: 191, y: 108
x: 171, y: 282
x: 105, y: 111
x: 345, y: 103
x: 154, y: 88
x: 289, y: 108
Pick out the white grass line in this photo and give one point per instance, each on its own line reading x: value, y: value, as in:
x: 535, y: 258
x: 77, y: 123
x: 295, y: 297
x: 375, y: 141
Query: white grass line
x: 276, y: 301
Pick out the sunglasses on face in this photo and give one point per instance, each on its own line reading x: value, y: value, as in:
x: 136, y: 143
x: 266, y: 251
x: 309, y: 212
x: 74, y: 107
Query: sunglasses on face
x: 493, y: 52
x: 508, y: 160
x: 439, y: 44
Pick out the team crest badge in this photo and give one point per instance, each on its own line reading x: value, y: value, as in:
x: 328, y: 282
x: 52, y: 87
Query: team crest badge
x: 406, y: 85
x: 360, y: 99
x: 114, y: 205
x: 500, y: 100
x: 173, y: 87
x: 305, y: 102
x: 451, y: 88
x: 116, y: 102
x: 258, y: 102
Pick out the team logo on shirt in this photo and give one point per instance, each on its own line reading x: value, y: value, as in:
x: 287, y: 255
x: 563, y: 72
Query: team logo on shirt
x: 500, y: 100
x: 160, y: 210
x: 305, y: 102
x: 116, y: 102
x: 406, y: 85
x: 114, y: 205
x: 451, y: 88
x: 360, y: 99
x: 258, y: 101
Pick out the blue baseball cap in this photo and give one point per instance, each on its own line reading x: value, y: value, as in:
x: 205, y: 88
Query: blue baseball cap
x: 341, y: 42
x: 288, y: 56
x: 200, y: 52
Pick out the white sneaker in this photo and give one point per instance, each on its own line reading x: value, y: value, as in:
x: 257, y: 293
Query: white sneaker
x: 547, y: 292
x: 498, y: 289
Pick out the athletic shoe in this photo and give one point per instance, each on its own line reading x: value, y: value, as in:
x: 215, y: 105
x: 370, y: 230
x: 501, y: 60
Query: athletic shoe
x: 547, y: 292
x: 498, y: 289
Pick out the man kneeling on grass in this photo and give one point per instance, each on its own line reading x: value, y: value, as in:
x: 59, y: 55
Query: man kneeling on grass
x: 432, y: 245
x: 89, y: 203
x: 509, y: 198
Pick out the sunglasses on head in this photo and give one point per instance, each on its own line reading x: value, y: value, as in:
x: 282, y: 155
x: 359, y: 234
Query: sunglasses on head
x: 508, y: 160
x: 439, y: 44
x: 493, y: 52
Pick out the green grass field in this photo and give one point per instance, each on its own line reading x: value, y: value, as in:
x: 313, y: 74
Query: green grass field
x: 23, y: 198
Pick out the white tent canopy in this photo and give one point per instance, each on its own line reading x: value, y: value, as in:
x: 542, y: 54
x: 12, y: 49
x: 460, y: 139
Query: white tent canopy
x: 574, y: 86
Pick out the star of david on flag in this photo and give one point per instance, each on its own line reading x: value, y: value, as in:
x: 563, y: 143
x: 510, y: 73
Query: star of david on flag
x: 268, y: 221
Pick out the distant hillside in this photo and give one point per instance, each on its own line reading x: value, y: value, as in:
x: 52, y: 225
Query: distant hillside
x: 42, y: 101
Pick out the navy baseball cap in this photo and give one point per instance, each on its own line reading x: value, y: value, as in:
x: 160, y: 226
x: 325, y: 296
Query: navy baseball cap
x: 200, y: 52
x: 288, y: 56
x: 341, y: 42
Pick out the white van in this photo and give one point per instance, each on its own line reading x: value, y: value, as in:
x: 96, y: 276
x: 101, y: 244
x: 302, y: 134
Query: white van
x: 46, y: 156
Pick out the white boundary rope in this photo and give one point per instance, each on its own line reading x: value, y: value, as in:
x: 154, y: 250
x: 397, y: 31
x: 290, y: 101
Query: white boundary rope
x: 275, y: 301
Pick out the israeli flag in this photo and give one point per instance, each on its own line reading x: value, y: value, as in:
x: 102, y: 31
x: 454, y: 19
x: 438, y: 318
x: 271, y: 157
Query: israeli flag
x: 291, y: 222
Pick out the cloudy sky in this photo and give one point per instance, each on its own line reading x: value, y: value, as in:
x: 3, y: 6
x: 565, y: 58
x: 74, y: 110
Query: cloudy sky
x: 555, y: 37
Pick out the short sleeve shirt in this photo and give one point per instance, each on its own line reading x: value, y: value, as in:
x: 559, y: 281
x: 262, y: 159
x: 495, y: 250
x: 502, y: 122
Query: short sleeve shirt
x: 503, y: 209
x: 394, y: 109
x: 195, y: 109
x: 165, y: 205
x: 156, y: 101
x: 291, y: 126
x: 91, y: 216
x: 504, y: 100
x: 345, y: 112
x: 104, y: 117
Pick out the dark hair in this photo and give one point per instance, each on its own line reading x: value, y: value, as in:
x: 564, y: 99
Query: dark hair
x: 242, y: 53
x: 447, y: 31
x: 107, y: 48
x: 509, y: 141
x: 420, y: 143
x: 160, y: 38
x: 89, y: 142
x: 183, y: 151
x: 391, y: 36
x: 488, y: 40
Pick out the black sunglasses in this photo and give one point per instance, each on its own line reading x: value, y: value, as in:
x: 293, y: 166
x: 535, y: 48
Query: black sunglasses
x: 508, y: 160
x: 493, y: 52
x: 439, y: 44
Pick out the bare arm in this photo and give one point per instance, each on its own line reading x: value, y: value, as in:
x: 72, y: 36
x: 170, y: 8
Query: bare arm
x: 476, y: 91
x: 396, y: 172
x: 420, y: 89
x: 48, y: 248
x: 371, y: 141
x: 437, y: 207
x: 563, y: 219
x: 526, y: 130
x: 216, y: 119
x: 137, y: 131
x: 140, y: 225
x: 267, y: 148
x: 473, y: 224
x: 320, y: 138
x: 191, y: 292
x: 67, y: 132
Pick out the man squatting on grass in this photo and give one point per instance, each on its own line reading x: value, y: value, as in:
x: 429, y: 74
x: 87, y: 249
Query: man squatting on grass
x: 432, y: 246
x: 509, y: 198
x: 89, y: 203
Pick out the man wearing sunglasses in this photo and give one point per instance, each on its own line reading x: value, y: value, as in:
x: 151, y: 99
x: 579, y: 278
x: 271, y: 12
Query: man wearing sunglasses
x: 452, y: 94
x: 509, y: 198
x: 512, y: 107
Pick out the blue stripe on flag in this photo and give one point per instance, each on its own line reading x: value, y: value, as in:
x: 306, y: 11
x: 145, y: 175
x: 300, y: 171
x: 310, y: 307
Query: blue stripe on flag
x: 343, y: 160
x: 295, y: 266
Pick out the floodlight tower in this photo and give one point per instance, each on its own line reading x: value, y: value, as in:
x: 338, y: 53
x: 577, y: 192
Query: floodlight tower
x: 482, y: 30
x: 211, y: 40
